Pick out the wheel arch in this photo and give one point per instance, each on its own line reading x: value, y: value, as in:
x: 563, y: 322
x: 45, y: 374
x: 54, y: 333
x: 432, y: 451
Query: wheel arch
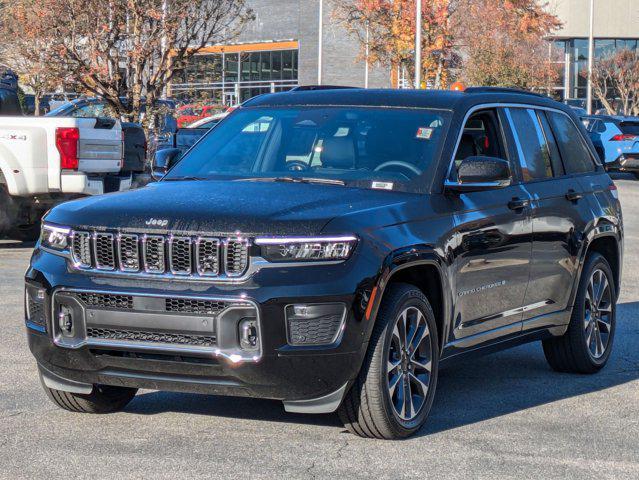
x: 424, y: 268
x: 605, y: 239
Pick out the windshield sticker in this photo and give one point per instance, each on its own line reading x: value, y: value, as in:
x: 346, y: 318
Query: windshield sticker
x: 382, y: 185
x: 424, y: 133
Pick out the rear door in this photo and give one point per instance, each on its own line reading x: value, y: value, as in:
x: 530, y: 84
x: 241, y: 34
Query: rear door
x: 553, y: 156
x: 491, y: 242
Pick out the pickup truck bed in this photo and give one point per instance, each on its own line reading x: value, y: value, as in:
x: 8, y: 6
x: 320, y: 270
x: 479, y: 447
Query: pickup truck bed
x: 46, y: 160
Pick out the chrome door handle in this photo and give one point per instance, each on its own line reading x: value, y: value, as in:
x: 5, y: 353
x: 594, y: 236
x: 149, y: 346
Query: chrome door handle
x: 573, y: 196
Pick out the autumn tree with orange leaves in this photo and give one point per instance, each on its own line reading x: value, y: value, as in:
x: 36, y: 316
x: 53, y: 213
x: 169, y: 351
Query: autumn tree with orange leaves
x: 482, y: 42
x: 505, y: 43
x: 388, y: 27
x: 125, y: 51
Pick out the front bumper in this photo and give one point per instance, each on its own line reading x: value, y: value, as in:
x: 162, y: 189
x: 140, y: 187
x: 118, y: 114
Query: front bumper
x: 306, y: 378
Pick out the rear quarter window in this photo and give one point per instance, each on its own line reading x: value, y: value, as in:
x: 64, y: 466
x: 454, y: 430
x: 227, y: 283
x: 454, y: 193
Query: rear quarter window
x: 572, y: 147
x: 629, y: 128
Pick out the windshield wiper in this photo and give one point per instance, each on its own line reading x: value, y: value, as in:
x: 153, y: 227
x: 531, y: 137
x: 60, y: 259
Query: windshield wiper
x: 327, y: 181
x: 180, y: 179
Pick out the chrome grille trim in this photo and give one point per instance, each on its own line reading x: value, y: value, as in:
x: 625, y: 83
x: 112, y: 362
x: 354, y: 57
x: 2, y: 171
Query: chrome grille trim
x: 236, y: 256
x: 180, y: 255
x: 207, y: 256
x: 81, y: 249
x: 164, y: 256
x: 128, y: 252
x: 104, y: 251
x: 153, y: 251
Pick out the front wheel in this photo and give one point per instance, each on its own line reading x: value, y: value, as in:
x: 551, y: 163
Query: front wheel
x: 395, y: 388
x: 103, y: 399
x: 587, y: 344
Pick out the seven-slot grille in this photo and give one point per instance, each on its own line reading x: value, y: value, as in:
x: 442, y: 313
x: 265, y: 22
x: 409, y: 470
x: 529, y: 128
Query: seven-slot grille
x: 158, y: 254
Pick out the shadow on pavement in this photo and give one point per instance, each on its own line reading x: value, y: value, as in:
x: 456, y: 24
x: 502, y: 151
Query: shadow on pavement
x: 15, y: 244
x: 468, y: 392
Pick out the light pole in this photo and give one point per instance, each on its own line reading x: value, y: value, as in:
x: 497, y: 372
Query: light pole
x: 320, y: 42
x: 591, y: 55
x: 418, y: 43
x: 367, y: 54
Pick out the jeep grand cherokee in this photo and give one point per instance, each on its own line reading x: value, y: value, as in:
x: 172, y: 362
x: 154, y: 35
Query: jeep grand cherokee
x: 331, y: 249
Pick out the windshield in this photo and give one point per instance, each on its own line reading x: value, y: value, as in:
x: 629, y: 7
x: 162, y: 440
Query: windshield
x: 385, y: 148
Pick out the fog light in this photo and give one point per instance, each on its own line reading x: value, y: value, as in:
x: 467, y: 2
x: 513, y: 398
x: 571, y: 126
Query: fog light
x: 315, y: 324
x: 65, y: 320
x: 248, y: 334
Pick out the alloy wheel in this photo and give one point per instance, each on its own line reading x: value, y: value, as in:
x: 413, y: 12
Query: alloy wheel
x: 409, y: 364
x: 598, y: 314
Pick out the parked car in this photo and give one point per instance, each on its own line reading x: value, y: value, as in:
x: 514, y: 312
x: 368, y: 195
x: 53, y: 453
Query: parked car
x: 187, y: 114
x: 136, y: 144
x: 9, y: 102
x: 332, y: 249
x: 45, y: 161
x: 616, y: 140
x: 186, y: 137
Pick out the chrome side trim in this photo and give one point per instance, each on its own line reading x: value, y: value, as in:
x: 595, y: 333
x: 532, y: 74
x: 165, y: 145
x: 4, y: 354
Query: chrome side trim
x: 507, y: 313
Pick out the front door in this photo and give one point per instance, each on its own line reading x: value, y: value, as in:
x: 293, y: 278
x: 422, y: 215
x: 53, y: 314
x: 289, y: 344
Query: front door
x: 491, y: 245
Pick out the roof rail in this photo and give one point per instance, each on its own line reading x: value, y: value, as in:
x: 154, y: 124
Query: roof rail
x: 307, y: 88
x: 519, y: 91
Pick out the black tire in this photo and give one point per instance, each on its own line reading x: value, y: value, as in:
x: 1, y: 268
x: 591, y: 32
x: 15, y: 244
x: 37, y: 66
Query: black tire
x: 103, y: 399
x: 26, y: 233
x: 367, y: 410
x: 636, y: 174
x: 571, y: 353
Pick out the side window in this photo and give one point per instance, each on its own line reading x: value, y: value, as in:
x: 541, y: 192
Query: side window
x: 574, y: 153
x: 482, y: 136
x: 555, y: 156
x: 601, y: 127
x: 533, y: 149
x: 91, y: 110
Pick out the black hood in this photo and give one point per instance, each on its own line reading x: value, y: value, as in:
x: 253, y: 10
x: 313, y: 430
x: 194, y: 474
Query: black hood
x: 223, y: 207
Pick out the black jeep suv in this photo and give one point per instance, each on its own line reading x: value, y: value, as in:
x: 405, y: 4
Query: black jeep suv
x: 331, y: 249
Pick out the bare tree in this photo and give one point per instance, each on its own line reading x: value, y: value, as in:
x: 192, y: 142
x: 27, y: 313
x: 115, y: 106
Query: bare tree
x: 125, y: 51
x: 617, y: 76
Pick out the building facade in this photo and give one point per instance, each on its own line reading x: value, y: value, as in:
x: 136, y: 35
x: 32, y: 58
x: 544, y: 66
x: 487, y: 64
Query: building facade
x: 616, y: 26
x: 281, y: 48
x: 278, y: 51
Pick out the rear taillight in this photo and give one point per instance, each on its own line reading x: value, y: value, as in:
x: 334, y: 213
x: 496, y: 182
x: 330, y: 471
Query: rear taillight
x: 623, y: 137
x: 66, y: 141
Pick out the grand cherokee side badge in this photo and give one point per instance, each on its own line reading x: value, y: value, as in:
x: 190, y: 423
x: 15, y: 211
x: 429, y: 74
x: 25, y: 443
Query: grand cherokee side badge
x: 499, y: 283
x: 154, y: 222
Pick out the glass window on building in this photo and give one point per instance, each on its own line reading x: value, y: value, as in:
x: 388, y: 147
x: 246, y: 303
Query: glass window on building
x: 235, y: 77
x: 230, y: 67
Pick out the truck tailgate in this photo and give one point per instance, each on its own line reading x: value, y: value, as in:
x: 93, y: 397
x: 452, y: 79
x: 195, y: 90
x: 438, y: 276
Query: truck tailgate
x: 100, y: 150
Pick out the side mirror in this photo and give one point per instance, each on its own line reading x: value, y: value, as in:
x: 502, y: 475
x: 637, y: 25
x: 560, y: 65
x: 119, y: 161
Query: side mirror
x: 478, y: 173
x: 163, y: 161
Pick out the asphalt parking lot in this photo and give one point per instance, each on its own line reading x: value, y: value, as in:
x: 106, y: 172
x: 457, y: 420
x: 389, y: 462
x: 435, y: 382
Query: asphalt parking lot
x: 502, y: 416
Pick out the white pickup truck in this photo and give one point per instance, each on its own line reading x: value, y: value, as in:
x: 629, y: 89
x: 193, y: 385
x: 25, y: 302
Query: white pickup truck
x: 47, y: 160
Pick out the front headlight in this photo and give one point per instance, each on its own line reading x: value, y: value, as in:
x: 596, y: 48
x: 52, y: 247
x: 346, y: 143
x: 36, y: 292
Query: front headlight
x: 303, y: 249
x: 55, y: 237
